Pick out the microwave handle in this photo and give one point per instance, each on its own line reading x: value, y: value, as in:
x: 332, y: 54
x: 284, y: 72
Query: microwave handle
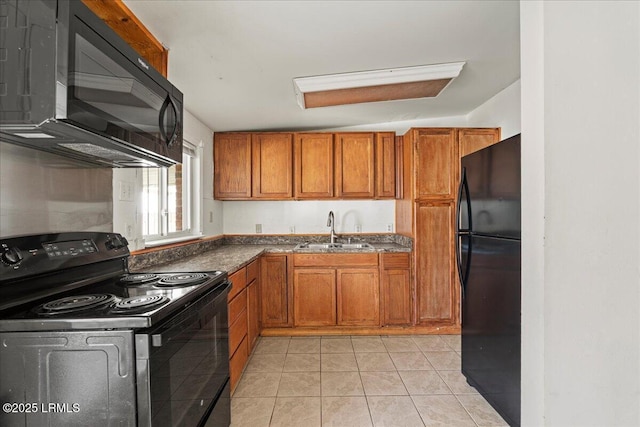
x: 163, y: 111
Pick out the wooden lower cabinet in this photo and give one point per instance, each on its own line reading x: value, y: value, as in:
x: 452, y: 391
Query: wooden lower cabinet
x: 244, y: 325
x: 253, y: 304
x: 336, y: 289
x: 396, y: 288
x: 314, y: 297
x: 237, y: 314
x: 237, y: 361
x: 238, y: 331
x: 275, y: 291
x: 437, y: 288
x: 358, y: 291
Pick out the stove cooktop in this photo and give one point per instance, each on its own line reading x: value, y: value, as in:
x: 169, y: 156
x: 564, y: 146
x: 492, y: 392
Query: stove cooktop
x: 136, y: 300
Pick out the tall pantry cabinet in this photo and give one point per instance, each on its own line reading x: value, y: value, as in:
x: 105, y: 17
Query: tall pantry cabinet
x: 426, y: 211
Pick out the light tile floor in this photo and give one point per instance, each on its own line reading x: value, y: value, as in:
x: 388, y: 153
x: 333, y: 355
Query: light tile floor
x: 358, y: 381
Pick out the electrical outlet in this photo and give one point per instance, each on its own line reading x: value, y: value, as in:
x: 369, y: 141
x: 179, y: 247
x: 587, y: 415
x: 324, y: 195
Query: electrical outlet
x: 292, y: 229
x: 126, y: 191
x: 358, y: 228
x: 210, y: 216
x: 128, y: 230
x: 390, y: 228
x: 258, y: 228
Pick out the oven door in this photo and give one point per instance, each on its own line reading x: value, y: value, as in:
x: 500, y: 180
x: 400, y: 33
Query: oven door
x: 183, y: 364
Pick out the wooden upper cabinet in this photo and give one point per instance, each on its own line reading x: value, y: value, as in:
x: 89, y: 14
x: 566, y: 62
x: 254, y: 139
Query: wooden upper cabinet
x: 472, y: 140
x: 436, y: 163
x: 385, y: 165
x: 121, y: 20
x: 284, y: 166
x: 232, y: 165
x: 354, y: 157
x: 313, y: 165
x: 272, y: 165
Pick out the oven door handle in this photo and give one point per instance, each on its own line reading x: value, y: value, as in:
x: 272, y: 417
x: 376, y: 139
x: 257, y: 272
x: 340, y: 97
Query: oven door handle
x: 176, y: 329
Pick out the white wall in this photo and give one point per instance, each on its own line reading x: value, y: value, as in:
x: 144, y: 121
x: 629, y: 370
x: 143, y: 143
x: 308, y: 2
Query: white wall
x: 211, y: 210
x: 581, y: 213
x: 309, y: 217
x: 503, y: 110
x: 45, y: 193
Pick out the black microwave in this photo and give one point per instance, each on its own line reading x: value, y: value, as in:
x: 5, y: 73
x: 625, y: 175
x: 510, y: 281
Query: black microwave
x: 72, y: 86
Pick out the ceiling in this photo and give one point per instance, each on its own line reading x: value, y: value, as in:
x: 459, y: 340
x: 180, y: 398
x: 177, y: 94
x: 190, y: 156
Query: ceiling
x: 235, y: 60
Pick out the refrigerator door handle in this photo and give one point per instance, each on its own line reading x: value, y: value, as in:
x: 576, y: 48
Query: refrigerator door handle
x: 464, y: 187
x: 463, y: 275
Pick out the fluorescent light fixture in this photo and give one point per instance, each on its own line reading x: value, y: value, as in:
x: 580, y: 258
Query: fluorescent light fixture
x: 372, y: 86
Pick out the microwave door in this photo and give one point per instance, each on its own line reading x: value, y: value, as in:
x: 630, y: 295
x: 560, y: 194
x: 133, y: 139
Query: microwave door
x: 109, y: 94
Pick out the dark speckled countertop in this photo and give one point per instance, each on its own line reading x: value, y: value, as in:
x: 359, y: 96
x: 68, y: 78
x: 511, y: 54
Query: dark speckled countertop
x: 231, y: 257
x: 226, y: 258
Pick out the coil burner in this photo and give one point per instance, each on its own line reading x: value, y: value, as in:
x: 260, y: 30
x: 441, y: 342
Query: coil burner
x: 138, y: 279
x: 182, y: 279
x: 76, y: 303
x: 139, y: 303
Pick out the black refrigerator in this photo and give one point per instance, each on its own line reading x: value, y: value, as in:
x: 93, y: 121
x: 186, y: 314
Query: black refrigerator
x: 488, y: 248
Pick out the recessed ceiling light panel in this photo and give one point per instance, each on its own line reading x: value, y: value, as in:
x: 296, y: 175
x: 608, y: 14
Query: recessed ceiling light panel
x: 373, y: 86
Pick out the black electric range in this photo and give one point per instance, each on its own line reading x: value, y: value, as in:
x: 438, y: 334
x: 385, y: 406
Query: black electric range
x: 69, y: 304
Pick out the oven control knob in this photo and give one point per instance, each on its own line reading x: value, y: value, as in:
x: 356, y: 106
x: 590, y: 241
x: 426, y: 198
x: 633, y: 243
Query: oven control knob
x: 11, y: 256
x: 116, y: 242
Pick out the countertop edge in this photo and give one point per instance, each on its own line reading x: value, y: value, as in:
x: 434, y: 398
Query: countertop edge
x: 233, y: 257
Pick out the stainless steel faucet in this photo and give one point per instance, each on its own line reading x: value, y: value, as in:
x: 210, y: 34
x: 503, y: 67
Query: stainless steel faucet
x: 331, y: 223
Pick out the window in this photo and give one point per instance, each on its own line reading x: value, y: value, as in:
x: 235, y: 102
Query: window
x: 169, y: 199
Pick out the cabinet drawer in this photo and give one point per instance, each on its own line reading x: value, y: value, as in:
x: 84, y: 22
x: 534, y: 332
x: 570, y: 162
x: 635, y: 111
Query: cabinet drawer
x: 252, y: 271
x: 237, y: 331
x: 335, y: 260
x: 399, y: 260
x: 239, y: 280
x: 236, y: 306
x: 237, y: 362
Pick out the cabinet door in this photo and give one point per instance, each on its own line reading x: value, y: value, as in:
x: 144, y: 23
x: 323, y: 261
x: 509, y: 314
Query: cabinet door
x: 472, y: 140
x: 232, y: 166
x: 355, y: 165
x: 358, y: 296
x: 436, y: 163
x: 396, y: 288
x: 313, y: 165
x: 253, y: 313
x: 314, y: 297
x: 437, y: 291
x: 385, y: 165
x: 272, y: 165
x: 274, y: 291
x: 237, y: 362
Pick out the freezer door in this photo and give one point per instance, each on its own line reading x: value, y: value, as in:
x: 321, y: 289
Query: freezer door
x: 493, y: 182
x: 491, y: 324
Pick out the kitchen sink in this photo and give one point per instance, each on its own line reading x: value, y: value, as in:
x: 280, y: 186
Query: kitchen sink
x: 333, y: 246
